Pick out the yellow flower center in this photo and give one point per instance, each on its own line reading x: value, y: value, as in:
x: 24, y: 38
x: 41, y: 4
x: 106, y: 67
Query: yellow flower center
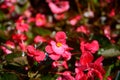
x: 39, y: 20
x: 59, y: 44
x: 23, y: 21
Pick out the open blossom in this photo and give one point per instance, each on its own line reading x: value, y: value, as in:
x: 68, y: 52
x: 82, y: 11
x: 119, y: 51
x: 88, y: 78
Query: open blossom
x: 27, y: 13
x: 112, y: 13
x: 8, y: 4
x: 59, y: 16
x: 86, y: 58
x: 22, y: 46
x: 60, y: 63
x: 59, y: 48
x: 89, y: 47
x: 74, y: 20
x: 60, y: 37
x: 59, y: 6
x: 39, y: 39
x: 21, y: 26
x: 10, y: 44
x: 5, y: 50
x: 40, y: 20
x: 19, y: 37
x: 36, y: 54
x: 83, y: 29
x: 66, y: 76
x: 107, y: 31
x: 90, y: 71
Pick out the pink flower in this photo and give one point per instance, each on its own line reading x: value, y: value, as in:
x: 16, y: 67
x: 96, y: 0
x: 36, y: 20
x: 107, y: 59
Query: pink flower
x: 60, y: 37
x: 10, y: 44
x: 39, y: 57
x: 60, y: 63
x: 36, y: 54
x: 56, y: 50
x: 107, y: 31
x: 59, y: 7
x: 118, y: 57
x: 5, y: 50
x: 89, y: 47
x: 60, y: 16
x: 19, y: 37
x: 22, y: 46
x: 83, y: 29
x: 39, y: 39
x: 66, y: 76
x: 31, y: 50
x: 112, y: 13
x: 86, y: 58
x: 59, y: 48
x: 28, y: 13
x: 8, y: 47
x: 90, y: 71
x: 21, y: 25
x: 74, y: 20
x: 40, y: 20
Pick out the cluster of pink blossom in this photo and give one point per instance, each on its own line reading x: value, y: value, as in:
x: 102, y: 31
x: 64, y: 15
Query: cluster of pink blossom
x: 55, y: 45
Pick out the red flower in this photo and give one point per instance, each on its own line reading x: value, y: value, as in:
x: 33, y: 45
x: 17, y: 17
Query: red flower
x: 21, y: 25
x: 5, y: 50
x: 83, y: 29
x: 112, y: 13
x: 60, y: 63
x: 90, y: 71
x: 19, y: 37
x: 86, y: 58
x: 27, y: 13
x: 59, y: 7
x: 89, y: 47
x: 59, y: 48
x: 74, y: 20
x: 40, y: 20
x: 107, y: 31
x: 31, y: 51
x: 39, y: 39
x: 56, y: 50
x: 65, y: 76
x: 60, y: 37
x: 36, y: 54
x: 8, y: 47
x: 40, y: 56
x: 22, y: 46
x: 10, y: 44
x: 60, y: 16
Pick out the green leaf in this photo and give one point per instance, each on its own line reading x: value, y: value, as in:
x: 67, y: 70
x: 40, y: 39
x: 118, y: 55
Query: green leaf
x: 2, y: 16
x: 3, y: 36
x: 111, y: 52
x: 103, y: 41
x: 21, y: 9
x: 49, y: 76
x: 11, y: 56
x: 41, y: 31
x: 9, y: 76
x: 95, y: 1
x: 109, y: 71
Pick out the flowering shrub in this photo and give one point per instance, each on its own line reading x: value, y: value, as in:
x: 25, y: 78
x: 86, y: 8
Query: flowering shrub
x: 59, y: 40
